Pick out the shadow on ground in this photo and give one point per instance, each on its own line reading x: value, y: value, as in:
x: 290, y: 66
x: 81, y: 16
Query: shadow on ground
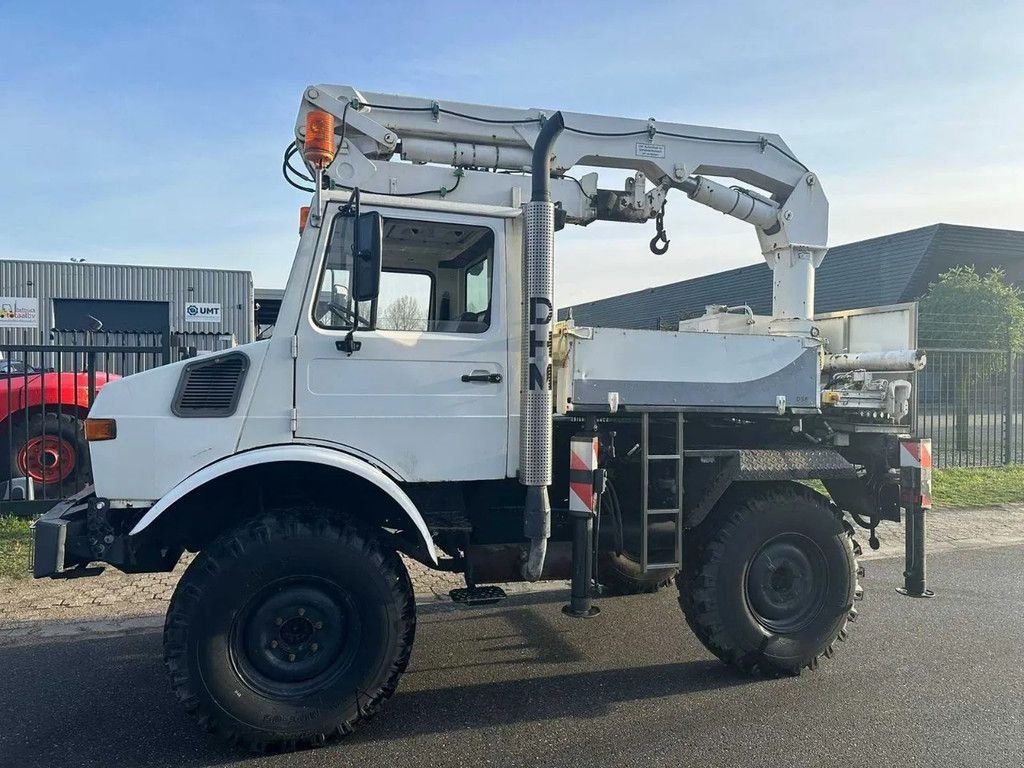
x: 105, y: 701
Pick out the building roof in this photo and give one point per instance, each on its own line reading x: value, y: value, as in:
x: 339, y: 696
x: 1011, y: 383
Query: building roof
x: 883, y: 270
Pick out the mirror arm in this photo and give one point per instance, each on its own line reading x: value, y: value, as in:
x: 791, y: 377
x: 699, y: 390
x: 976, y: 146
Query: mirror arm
x: 348, y: 345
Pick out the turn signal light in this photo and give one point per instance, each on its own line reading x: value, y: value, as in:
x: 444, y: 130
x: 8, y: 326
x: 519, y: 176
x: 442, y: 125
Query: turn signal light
x: 318, y: 144
x: 303, y: 216
x: 100, y: 429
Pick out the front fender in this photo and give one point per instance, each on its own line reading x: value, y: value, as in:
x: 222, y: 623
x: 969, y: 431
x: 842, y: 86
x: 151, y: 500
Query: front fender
x: 297, y: 453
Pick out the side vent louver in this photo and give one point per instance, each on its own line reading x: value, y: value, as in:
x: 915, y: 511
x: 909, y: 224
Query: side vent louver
x: 210, y: 387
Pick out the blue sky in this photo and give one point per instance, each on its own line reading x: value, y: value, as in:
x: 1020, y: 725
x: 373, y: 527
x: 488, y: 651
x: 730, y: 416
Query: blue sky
x: 152, y: 133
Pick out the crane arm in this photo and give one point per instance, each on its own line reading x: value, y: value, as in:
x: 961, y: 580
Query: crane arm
x: 410, y: 146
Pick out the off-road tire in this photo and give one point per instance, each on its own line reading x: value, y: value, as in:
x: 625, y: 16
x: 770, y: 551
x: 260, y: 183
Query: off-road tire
x: 255, y: 564
x: 714, y: 585
x: 64, y: 427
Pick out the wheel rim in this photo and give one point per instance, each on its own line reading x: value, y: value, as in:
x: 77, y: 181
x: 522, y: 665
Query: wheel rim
x: 47, y: 459
x: 786, y: 583
x: 295, y: 636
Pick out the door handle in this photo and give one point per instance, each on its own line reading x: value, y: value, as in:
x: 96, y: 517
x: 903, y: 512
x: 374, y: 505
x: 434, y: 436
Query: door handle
x: 485, y: 378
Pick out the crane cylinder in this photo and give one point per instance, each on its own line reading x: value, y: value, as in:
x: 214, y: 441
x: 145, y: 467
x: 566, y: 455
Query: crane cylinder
x: 465, y: 155
x: 732, y: 202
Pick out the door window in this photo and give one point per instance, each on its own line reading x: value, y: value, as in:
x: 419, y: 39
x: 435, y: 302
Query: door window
x: 436, y: 278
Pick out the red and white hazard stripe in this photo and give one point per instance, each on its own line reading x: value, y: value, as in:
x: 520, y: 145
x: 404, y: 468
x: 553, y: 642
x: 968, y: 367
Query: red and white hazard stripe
x: 582, y: 464
x: 916, y: 473
x: 916, y: 453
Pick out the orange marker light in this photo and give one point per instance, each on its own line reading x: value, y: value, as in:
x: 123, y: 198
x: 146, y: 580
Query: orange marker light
x: 318, y: 148
x: 100, y: 429
x: 303, y: 215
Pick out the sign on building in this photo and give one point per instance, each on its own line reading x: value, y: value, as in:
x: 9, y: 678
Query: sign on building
x: 19, y: 312
x: 199, y: 312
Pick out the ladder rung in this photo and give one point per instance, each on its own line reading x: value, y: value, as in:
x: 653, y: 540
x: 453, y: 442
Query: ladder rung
x: 664, y: 512
x: 661, y: 566
x: 663, y: 456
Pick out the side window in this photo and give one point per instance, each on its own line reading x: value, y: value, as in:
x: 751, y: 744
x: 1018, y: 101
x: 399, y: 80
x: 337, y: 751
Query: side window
x: 436, y: 279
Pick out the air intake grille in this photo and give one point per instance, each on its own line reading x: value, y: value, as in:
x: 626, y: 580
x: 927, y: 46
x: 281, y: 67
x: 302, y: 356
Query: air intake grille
x: 210, y: 387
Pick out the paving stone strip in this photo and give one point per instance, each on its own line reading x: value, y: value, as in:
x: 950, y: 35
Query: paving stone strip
x: 114, y: 596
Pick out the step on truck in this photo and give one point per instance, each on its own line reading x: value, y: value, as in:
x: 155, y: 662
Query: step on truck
x: 419, y: 398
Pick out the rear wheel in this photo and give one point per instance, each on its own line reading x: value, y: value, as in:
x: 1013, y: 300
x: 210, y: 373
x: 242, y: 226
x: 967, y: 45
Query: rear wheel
x: 618, y: 555
x: 290, y: 630
x: 770, y: 580
x: 51, y: 449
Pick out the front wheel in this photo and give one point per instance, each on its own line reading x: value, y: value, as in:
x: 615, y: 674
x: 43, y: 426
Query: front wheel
x: 770, y: 582
x: 289, y: 630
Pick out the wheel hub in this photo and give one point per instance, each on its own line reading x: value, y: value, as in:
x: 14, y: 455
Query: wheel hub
x: 46, y: 459
x: 786, y: 583
x: 294, y: 636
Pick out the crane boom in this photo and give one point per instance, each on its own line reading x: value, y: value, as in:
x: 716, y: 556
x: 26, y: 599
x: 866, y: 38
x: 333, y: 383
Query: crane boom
x: 411, y: 146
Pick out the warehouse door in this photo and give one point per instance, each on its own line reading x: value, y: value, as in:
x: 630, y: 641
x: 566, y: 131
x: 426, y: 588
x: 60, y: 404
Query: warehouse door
x: 110, y: 315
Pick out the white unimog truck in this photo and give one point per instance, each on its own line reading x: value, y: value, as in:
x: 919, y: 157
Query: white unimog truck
x: 417, y: 397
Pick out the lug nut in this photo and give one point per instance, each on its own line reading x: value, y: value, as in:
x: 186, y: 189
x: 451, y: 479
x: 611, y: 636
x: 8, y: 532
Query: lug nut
x: 273, y: 643
x: 302, y: 611
x: 279, y: 621
x: 291, y: 657
x: 314, y: 647
x: 318, y: 625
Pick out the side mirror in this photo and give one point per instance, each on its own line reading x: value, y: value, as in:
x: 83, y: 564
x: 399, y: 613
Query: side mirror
x: 366, y: 267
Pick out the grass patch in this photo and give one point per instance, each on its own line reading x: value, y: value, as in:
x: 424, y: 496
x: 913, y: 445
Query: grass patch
x: 15, y: 544
x: 978, y: 487
x: 974, y: 487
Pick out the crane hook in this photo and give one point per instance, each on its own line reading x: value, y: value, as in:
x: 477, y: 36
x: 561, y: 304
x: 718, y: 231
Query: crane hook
x: 659, y: 243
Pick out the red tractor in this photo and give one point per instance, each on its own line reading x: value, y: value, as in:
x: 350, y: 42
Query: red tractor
x: 41, y: 414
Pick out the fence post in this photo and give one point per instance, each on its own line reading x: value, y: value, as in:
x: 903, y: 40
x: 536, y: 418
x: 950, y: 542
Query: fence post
x: 1008, y: 426
x: 90, y: 371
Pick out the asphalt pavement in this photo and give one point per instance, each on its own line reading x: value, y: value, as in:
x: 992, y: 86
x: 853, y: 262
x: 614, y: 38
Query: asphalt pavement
x: 920, y: 683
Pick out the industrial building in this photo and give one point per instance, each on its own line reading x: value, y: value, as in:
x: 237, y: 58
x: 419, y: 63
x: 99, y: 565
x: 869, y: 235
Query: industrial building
x: 187, y: 309
x: 884, y: 270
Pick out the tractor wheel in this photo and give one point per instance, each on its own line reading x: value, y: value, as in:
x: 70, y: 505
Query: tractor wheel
x: 770, y: 580
x: 51, y: 449
x: 290, y: 630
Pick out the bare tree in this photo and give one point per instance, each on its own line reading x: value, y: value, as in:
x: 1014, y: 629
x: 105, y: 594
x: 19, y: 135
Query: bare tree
x: 403, y: 314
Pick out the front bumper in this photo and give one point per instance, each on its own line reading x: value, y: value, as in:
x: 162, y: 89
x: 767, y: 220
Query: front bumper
x: 85, y: 529
x: 59, y: 535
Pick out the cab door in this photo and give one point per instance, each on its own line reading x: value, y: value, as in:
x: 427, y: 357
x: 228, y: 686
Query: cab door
x: 417, y: 378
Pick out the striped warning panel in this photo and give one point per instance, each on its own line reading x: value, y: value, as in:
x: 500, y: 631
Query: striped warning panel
x: 916, y: 473
x: 916, y: 453
x: 582, y: 463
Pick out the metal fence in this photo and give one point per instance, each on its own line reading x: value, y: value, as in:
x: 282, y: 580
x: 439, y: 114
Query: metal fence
x: 970, y: 402
x: 45, y: 392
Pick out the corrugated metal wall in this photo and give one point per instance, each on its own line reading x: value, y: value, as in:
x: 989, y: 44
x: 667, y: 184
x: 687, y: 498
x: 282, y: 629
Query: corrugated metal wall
x: 48, y: 280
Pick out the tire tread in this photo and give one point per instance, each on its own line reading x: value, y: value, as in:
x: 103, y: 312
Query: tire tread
x: 696, y: 582
x: 284, y: 524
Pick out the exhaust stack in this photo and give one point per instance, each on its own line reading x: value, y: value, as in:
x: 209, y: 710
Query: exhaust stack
x: 535, y: 404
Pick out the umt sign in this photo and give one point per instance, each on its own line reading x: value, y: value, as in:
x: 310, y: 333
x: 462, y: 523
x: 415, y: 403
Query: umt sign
x: 199, y: 312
